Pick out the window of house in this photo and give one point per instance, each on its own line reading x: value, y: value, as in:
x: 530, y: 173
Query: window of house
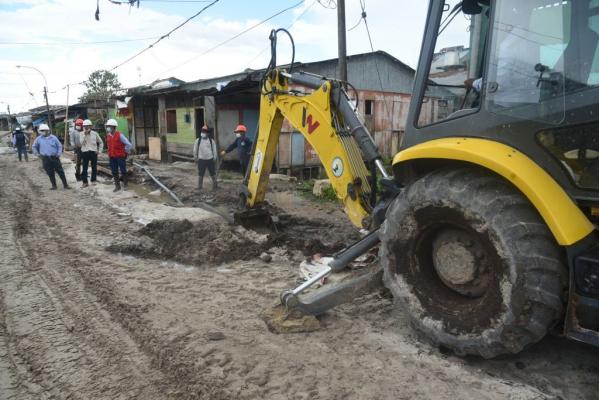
x: 171, y: 121
x: 368, y: 107
x: 455, y: 73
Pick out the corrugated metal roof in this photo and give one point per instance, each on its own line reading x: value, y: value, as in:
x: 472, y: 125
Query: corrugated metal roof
x: 221, y: 84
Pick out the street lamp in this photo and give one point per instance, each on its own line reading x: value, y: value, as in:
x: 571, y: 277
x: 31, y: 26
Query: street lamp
x: 45, y: 92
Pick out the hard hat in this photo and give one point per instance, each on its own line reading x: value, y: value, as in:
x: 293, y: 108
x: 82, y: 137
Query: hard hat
x: 43, y: 127
x: 87, y: 122
x: 18, y: 128
x: 111, y: 122
x: 79, y: 121
x: 240, y: 128
x: 205, y: 128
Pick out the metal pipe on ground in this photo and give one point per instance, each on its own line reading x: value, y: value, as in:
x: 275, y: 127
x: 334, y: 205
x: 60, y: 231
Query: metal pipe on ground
x: 167, y: 190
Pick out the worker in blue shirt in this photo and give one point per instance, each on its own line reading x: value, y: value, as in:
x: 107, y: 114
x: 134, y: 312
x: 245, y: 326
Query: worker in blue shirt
x: 49, y: 150
x: 243, y: 145
x: 20, y: 140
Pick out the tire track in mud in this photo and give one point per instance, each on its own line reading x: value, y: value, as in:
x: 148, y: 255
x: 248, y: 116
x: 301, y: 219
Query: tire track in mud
x: 179, y: 368
x: 58, y: 341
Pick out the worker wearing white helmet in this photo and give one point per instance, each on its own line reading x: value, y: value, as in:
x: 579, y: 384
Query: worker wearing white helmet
x: 119, y: 148
x: 91, y: 145
x: 49, y: 149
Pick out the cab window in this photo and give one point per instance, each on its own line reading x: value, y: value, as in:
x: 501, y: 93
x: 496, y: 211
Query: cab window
x: 455, y: 78
x: 541, y: 52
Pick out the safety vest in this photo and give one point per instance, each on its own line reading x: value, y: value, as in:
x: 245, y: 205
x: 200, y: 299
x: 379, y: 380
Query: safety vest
x: 116, y: 148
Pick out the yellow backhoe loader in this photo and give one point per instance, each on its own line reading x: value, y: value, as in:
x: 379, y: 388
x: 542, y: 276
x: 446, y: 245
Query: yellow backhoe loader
x: 486, y: 221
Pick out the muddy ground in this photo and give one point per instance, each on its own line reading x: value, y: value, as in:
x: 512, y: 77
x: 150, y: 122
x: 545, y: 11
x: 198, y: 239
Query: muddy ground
x: 80, y: 322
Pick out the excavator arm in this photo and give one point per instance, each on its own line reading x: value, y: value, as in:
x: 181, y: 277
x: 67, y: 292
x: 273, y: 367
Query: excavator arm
x: 329, y: 123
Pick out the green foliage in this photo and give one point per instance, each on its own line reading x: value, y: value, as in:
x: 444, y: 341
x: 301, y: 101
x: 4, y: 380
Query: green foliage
x: 329, y: 194
x: 59, y: 129
x: 101, y: 85
x: 305, y: 188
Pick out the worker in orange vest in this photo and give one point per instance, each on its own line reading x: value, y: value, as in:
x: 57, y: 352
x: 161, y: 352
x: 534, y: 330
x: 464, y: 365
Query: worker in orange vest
x: 119, y: 148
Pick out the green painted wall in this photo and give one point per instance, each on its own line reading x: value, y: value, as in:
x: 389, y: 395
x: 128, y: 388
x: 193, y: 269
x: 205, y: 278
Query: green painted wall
x: 185, y: 130
x: 123, y: 126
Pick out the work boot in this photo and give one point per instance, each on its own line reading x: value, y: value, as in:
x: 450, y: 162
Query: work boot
x: 64, y: 182
x: 117, y: 185
x: 53, y: 188
x: 125, y: 182
x: 214, y: 182
x: 84, y: 185
x: 200, y: 182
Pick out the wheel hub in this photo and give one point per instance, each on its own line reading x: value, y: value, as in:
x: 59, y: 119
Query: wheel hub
x: 458, y: 259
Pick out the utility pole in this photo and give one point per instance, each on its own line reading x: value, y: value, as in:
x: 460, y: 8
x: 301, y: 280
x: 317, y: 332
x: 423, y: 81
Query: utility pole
x: 66, y: 121
x: 48, y: 110
x: 341, y: 41
x: 9, y: 118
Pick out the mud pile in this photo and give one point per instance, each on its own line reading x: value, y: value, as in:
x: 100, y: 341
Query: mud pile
x: 191, y: 243
x: 224, y: 197
x: 201, y: 243
x: 311, y: 236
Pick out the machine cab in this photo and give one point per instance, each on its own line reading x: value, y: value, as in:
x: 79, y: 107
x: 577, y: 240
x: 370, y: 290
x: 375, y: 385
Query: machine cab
x: 522, y: 73
x: 523, y: 77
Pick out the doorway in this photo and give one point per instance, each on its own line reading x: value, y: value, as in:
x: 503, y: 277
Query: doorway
x: 199, y: 120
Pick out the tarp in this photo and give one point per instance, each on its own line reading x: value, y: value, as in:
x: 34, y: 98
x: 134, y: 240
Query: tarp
x: 39, y: 121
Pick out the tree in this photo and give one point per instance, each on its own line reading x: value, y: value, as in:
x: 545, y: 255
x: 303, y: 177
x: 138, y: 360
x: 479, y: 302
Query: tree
x: 101, y: 85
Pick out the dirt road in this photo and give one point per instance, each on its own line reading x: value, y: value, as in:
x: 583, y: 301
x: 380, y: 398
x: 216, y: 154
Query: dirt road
x: 79, y: 322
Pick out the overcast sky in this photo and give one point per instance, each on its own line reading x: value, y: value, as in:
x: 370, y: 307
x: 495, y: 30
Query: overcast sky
x: 396, y: 27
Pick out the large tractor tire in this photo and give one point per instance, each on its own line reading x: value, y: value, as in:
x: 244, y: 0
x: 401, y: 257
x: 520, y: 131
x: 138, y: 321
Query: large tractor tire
x: 472, y: 263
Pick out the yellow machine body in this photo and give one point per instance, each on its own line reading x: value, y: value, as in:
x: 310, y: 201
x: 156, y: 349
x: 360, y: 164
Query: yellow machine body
x: 561, y: 214
x: 311, y: 115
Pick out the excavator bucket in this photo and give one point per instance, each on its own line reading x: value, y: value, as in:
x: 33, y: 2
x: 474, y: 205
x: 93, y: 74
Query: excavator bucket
x: 257, y: 219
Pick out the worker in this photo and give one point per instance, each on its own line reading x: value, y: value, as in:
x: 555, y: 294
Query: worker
x: 118, y: 149
x: 204, y: 154
x: 75, y: 140
x: 20, y: 141
x: 243, y: 145
x: 49, y: 149
x: 91, y: 145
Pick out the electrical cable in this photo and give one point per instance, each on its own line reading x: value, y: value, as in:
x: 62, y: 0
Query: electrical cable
x: 166, y: 35
x: 288, y: 28
x: 75, y: 43
x: 231, y: 38
x: 329, y: 6
x: 158, y: 1
x: 28, y: 88
x: 362, y: 16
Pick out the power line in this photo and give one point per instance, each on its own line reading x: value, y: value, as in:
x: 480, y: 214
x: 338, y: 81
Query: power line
x: 362, y: 16
x: 376, y: 64
x: 232, y: 38
x: 331, y: 4
x: 160, y: 1
x: 178, y: 1
x: 76, y: 43
x: 288, y: 28
x: 28, y: 88
x: 166, y: 35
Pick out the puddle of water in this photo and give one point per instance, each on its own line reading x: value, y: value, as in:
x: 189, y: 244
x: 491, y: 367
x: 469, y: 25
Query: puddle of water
x: 156, y: 196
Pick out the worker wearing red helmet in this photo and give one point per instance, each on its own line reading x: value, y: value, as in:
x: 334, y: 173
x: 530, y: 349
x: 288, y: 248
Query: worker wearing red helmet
x: 75, y: 140
x: 243, y: 145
